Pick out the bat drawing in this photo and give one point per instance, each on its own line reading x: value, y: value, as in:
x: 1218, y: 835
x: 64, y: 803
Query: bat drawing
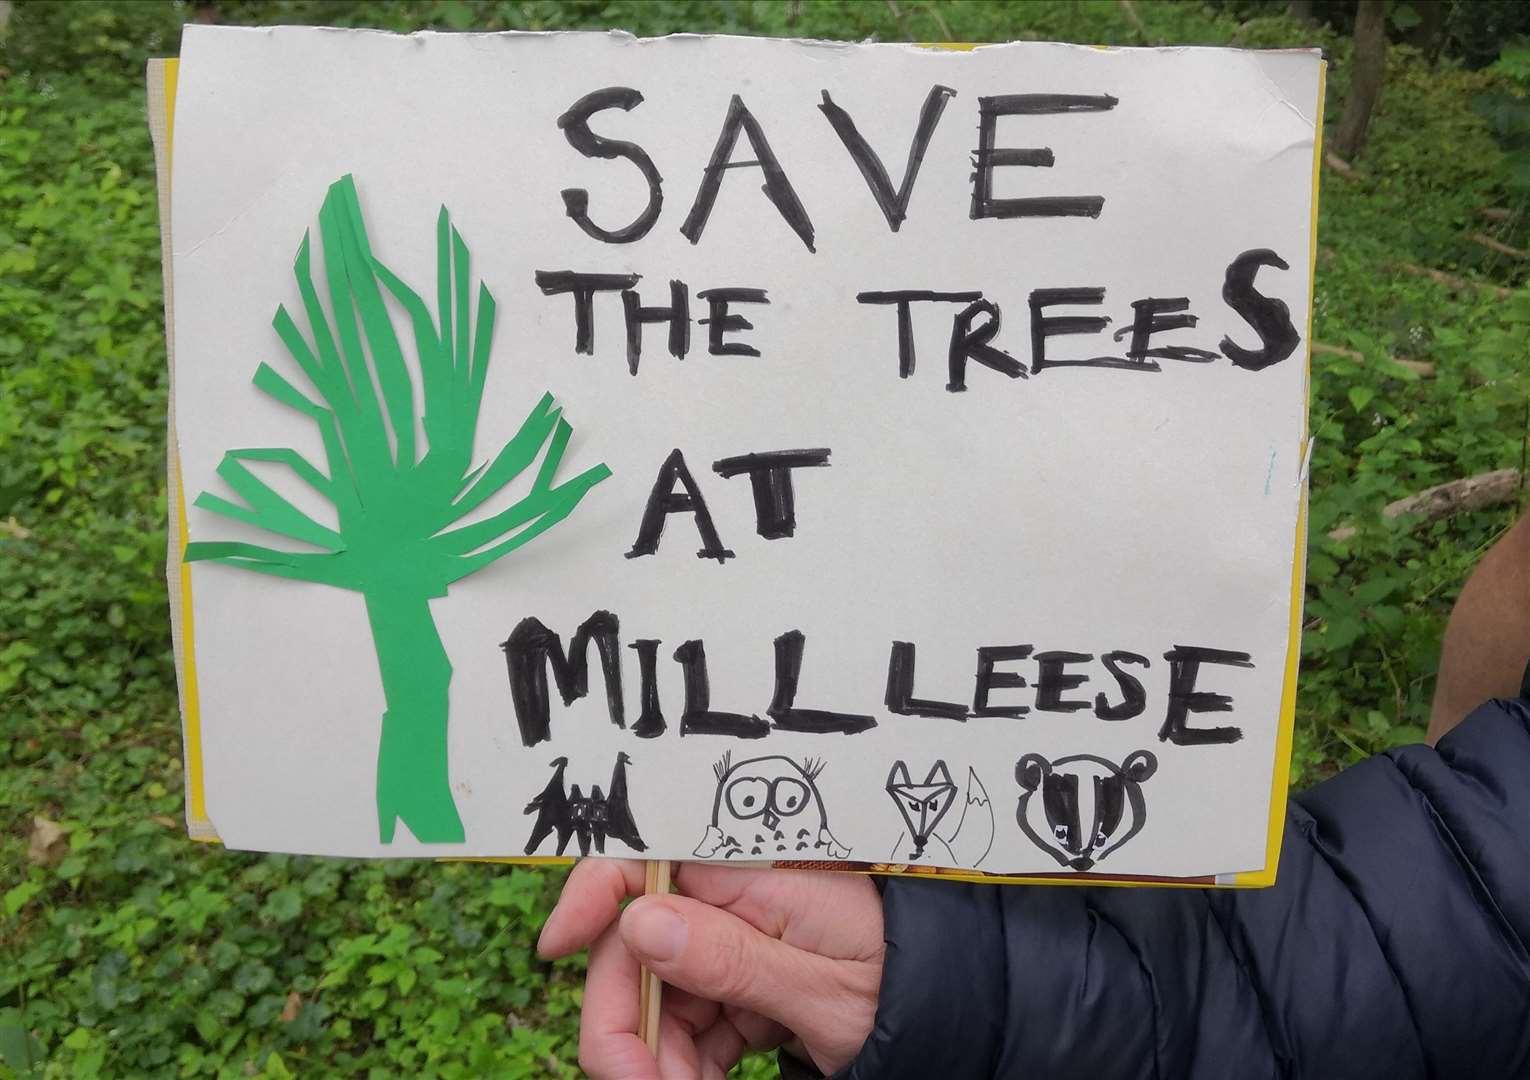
x: 591, y: 818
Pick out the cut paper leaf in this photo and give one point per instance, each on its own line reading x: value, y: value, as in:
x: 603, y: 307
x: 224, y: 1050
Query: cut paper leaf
x: 395, y: 503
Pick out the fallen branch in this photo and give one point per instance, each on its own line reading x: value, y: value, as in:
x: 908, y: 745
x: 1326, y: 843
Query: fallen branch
x: 1451, y: 281
x: 1452, y: 497
x: 1422, y: 368
x: 1499, y: 246
x: 1496, y: 213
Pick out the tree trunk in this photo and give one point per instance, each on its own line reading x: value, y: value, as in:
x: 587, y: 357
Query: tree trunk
x: 412, y: 781
x: 1301, y: 11
x: 1368, y: 68
x: 1368, y: 71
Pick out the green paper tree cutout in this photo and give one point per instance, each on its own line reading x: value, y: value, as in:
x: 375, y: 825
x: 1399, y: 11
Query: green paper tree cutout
x: 399, y: 506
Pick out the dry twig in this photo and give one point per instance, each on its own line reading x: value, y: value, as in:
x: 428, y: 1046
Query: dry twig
x: 1451, y: 281
x: 940, y: 21
x: 1499, y: 246
x: 1136, y: 20
x: 1422, y: 368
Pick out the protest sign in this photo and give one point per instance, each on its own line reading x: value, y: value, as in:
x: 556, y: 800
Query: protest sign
x: 734, y: 449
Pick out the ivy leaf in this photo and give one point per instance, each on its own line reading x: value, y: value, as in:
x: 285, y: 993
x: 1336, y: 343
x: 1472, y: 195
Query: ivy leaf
x: 208, y: 1026
x: 17, y: 898
x: 225, y: 1004
x: 103, y: 980
x: 252, y: 977
x: 1405, y: 735
x: 19, y: 1050
x: 223, y: 955
x: 284, y: 905
x: 1342, y: 632
x: 1374, y: 589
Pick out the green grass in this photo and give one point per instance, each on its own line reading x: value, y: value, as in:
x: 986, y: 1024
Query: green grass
x: 127, y: 951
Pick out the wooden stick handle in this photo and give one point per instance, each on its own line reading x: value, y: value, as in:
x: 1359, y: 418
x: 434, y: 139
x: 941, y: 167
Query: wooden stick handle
x: 650, y: 989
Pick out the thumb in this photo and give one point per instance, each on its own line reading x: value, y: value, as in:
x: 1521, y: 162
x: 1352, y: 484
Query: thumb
x: 720, y: 957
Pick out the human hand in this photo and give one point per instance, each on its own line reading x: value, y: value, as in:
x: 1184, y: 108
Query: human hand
x: 752, y: 958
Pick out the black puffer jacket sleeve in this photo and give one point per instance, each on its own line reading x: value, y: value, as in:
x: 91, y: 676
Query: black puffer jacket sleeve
x: 1393, y: 946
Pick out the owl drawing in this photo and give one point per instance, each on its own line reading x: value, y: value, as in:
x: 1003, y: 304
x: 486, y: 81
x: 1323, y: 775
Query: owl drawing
x: 768, y: 808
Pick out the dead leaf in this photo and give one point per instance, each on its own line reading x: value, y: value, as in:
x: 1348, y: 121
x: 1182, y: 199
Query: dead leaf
x: 14, y: 529
x: 48, y: 842
x: 165, y: 820
x: 293, y: 1007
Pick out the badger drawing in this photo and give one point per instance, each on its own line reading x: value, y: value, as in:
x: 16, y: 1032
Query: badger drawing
x: 1088, y: 806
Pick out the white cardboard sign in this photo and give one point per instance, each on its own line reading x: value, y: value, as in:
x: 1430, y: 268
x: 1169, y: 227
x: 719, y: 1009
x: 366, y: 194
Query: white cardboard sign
x: 920, y: 482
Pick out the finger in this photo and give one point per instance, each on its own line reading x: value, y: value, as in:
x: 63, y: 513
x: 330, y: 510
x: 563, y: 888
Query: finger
x: 801, y: 908
x: 609, y: 1048
x: 684, y: 1016
x: 693, y: 1013
x: 719, y: 1035
x: 717, y: 955
x: 719, y: 1048
x: 760, y: 1032
x: 590, y: 901
x: 677, y: 1059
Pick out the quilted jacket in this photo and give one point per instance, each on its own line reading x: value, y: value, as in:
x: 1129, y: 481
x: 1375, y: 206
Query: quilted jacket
x: 1393, y: 945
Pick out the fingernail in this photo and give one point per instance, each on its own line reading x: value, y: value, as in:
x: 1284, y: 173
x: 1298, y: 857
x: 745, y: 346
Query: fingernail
x: 542, y: 937
x: 654, y: 931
